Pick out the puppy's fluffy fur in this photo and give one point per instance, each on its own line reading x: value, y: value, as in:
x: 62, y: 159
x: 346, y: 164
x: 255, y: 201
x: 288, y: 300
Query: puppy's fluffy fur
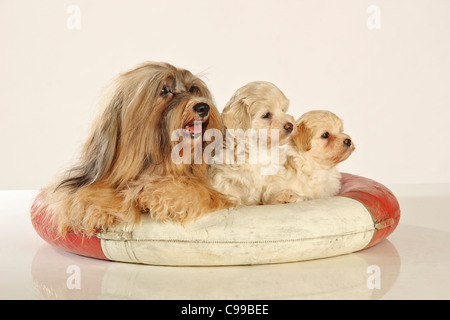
x: 318, y: 145
x: 126, y: 168
x: 257, y: 105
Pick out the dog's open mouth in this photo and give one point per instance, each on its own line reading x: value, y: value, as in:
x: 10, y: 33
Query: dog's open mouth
x: 196, y: 128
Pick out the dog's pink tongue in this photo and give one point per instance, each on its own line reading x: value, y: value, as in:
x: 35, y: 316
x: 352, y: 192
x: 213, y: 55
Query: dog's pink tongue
x: 196, y: 128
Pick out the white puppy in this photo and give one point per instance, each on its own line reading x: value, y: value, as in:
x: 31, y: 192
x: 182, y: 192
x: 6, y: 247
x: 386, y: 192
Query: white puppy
x: 256, y: 126
x: 317, y: 146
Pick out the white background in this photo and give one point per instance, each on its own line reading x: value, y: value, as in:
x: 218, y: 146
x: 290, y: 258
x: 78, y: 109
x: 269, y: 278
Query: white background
x: 391, y: 86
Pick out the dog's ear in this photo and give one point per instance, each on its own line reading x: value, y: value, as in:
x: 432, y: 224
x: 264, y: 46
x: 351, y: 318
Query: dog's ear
x: 236, y: 114
x: 302, y: 138
x: 99, y: 150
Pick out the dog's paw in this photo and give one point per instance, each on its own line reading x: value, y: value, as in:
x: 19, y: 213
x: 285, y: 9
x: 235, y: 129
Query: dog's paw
x: 285, y: 196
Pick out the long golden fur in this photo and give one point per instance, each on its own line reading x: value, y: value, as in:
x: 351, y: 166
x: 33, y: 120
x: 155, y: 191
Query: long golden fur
x: 126, y: 168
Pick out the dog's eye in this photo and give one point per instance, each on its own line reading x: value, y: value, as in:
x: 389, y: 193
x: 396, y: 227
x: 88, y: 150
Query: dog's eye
x: 326, y: 135
x: 164, y: 91
x: 267, y: 116
x: 194, y: 90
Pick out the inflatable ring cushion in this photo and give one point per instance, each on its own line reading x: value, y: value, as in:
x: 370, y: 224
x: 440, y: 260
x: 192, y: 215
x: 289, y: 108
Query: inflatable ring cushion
x: 360, y: 216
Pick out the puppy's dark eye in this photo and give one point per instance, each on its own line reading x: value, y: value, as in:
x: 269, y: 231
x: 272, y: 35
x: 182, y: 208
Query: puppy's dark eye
x: 164, y: 91
x: 326, y: 135
x: 267, y: 116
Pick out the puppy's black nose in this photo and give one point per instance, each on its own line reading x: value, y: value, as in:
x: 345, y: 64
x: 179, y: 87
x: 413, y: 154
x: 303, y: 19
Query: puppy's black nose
x: 348, y: 142
x: 288, y: 127
x: 202, y: 109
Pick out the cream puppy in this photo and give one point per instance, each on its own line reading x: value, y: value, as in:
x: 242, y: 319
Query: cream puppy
x: 318, y: 145
x: 256, y: 126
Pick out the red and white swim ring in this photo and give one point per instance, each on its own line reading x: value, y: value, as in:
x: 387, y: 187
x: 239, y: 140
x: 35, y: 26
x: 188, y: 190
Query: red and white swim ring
x: 364, y: 213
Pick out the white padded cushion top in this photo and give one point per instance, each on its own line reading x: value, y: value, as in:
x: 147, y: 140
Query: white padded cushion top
x: 246, y: 235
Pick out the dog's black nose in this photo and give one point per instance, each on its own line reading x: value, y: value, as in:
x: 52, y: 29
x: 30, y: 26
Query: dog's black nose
x: 288, y: 127
x: 348, y: 142
x: 202, y: 109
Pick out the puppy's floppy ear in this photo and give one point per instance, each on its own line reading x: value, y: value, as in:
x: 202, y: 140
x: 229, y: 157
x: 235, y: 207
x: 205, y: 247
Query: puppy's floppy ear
x: 302, y: 138
x: 236, y: 114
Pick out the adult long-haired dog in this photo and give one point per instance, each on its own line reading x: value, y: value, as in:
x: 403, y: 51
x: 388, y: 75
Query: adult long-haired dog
x: 126, y: 167
x: 258, y: 110
x: 316, y: 148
